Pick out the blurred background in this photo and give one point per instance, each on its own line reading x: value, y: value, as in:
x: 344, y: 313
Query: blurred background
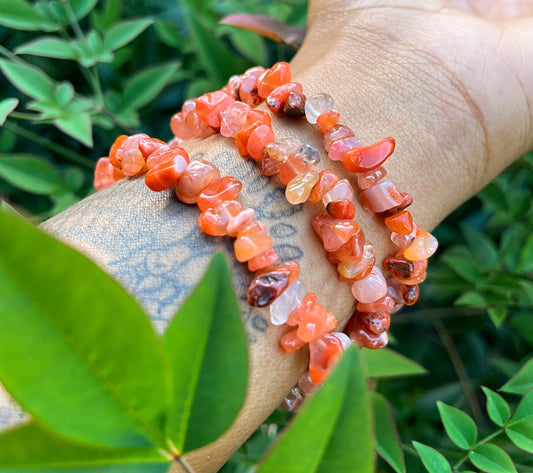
x: 78, y: 74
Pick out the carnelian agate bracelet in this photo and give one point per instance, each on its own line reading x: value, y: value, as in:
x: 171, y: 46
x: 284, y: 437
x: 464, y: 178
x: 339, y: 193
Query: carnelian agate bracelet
x: 229, y: 111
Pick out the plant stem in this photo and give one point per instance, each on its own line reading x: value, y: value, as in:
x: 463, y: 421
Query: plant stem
x: 54, y: 147
x: 459, y: 369
x: 481, y: 442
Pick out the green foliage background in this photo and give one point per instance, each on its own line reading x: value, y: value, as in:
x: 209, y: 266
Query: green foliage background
x: 474, y: 323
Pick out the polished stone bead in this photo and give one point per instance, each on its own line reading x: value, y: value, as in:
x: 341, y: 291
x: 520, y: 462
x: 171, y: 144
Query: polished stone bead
x: 366, y: 158
x: 341, y: 209
x: 359, y: 334
x: 253, y: 227
x: 371, y: 288
x: 282, y: 307
x: 250, y: 246
x: 270, y: 282
x: 115, y: 153
x: 422, y: 247
x: 410, y: 294
x: 394, y: 290
x: 327, y: 119
x: 149, y: 146
x: 351, y: 251
x: 340, y: 147
x: 407, y: 200
x: 401, y: 222
x: 381, y: 197
x: 198, y: 175
x: 376, y: 322
x: 403, y: 269
x: 276, y: 153
x: 259, y: 138
x: 342, y: 190
x: 316, y: 105
x: 312, y: 321
x: 279, y: 74
x: 179, y: 127
x: 415, y: 280
x: 211, y: 105
x: 332, y: 231
x: 335, y: 133
x: 133, y: 162
x: 383, y: 304
x: 248, y: 86
x: 290, y: 343
x: 214, y: 221
x: 225, y: 188
x: 200, y: 128
x: 239, y: 221
x: 299, y: 188
x: 233, y: 119
x: 306, y: 385
x: 232, y: 87
x: 369, y: 179
x: 266, y: 258
x: 326, y: 181
x: 324, y: 353
x: 294, y: 105
x: 278, y: 97
x: 103, y: 174
x: 166, y: 173
x: 292, y: 401
x: 303, y: 160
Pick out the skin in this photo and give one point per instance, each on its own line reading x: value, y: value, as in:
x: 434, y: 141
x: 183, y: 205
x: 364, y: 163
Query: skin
x: 451, y: 81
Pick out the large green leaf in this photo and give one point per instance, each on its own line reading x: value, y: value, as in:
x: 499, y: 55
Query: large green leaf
x: 492, y: 459
x: 525, y: 408
x: 48, y: 47
x: 459, y: 426
x: 31, y: 173
x: 78, y: 126
x: 461, y: 261
x: 522, y: 381
x: 521, y: 434
x: 82, y: 8
x: 6, y: 107
x: 28, y: 79
x: 76, y: 351
x: 206, y: 346
x: 20, y: 15
x: 388, y: 443
x: 144, y: 86
x: 433, y: 461
x: 34, y: 449
x: 386, y: 363
x: 498, y: 410
x: 333, y: 431
x: 122, y: 33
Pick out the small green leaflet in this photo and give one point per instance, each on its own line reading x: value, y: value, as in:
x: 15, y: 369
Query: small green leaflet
x: 459, y: 426
x: 433, y: 460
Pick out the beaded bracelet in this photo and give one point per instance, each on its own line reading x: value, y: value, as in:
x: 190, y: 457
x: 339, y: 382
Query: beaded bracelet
x: 168, y: 165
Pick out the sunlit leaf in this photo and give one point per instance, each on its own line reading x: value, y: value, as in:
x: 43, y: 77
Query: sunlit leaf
x: 492, y: 459
x: 498, y: 410
x: 124, y: 32
x: 78, y: 126
x: 522, y: 381
x: 433, y: 460
x: 6, y: 107
x: 388, y: 443
x: 19, y: 15
x: 208, y: 354
x: 387, y: 363
x: 459, y: 426
x: 521, y: 434
x: 28, y: 79
x: 48, y: 47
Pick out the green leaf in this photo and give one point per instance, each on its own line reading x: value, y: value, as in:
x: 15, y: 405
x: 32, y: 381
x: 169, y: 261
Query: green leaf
x: 82, y: 8
x: 9, y: 209
x: 497, y: 315
x: 6, y: 107
x: 206, y: 346
x: 525, y: 408
x: 33, y: 449
x: 471, y: 299
x: 482, y: 248
x: 333, y: 430
x: 498, y: 410
x: 526, y: 256
x: 386, y: 363
x: 521, y: 434
x: 461, y: 261
x: 97, y: 371
x: 19, y: 15
x: 48, y: 47
x: 523, y: 324
x: 522, y: 381
x: 492, y: 459
x: 78, y: 126
x: 433, y: 460
x: 28, y: 79
x: 146, y: 85
x: 30, y: 173
x: 388, y: 443
x: 74, y: 178
x: 459, y: 426
x: 124, y: 32
x: 167, y: 33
